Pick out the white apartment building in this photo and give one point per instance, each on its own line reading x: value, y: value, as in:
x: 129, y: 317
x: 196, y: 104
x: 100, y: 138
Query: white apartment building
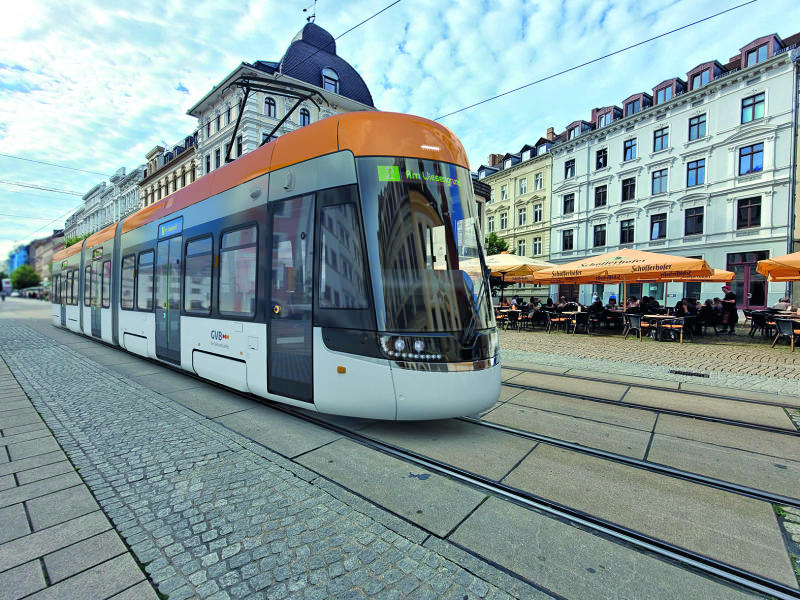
x: 106, y: 203
x: 701, y: 168
x: 311, y: 62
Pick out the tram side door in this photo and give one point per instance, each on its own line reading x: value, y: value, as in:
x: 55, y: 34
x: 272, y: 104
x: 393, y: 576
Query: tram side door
x: 64, y: 281
x: 289, y: 313
x: 95, y: 283
x: 168, y: 299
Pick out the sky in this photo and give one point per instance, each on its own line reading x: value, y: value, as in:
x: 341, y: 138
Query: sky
x: 95, y: 84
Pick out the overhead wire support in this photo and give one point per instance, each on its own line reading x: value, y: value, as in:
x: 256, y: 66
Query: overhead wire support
x: 594, y: 60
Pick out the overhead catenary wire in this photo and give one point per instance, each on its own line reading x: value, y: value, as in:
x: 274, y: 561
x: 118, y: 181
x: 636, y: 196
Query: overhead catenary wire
x: 594, y: 60
x: 41, y: 187
x: 49, y: 164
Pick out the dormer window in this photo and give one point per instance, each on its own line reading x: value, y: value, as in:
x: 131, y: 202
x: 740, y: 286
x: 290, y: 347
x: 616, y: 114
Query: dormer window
x: 756, y: 55
x: 330, y: 80
x: 701, y: 79
x: 573, y: 133
x: 604, y: 120
x: 663, y: 95
x: 526, y: 155
x: 632, y: 107
x: 541, y: 150
x: 507, y: 163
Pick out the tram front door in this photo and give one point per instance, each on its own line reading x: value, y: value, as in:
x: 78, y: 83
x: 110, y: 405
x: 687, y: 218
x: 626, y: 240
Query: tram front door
x: 168, y: 299
x: 291, y: 292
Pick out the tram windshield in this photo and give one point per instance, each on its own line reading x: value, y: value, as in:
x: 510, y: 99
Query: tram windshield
x: 421, y: 223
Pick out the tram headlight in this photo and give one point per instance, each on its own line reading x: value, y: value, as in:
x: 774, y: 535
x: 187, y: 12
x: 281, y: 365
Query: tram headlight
x: 399, y: 344
x: 419, y: 346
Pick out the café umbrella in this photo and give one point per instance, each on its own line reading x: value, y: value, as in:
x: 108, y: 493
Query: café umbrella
x: 507, y: 266
x: 781, y: 268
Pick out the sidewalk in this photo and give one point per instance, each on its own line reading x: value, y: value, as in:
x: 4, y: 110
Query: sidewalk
x: 54, y: 539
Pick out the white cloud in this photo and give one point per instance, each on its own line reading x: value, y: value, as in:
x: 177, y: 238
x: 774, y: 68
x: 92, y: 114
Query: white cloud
x: 96, y: 84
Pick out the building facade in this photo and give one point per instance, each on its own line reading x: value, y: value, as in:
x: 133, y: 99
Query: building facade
x: 702, y: 167
x: 518, y: 210
x: 168, y: 170
x: 40, y: 253
x: 311, y: 62
x: 106, y: 203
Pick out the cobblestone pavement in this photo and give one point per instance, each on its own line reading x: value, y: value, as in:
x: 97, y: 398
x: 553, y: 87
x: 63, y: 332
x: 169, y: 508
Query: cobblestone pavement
x: 213, y: 515
x: 737, y: 362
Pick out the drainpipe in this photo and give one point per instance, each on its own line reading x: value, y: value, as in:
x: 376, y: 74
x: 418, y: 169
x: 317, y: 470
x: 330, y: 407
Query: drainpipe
x: 795, y: 56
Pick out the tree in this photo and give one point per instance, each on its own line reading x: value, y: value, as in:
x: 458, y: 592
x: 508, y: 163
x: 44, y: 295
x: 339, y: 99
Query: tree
x: 74, y: 240
x: 3, y: 274
x: 24, y: 276
x: 494, y: 245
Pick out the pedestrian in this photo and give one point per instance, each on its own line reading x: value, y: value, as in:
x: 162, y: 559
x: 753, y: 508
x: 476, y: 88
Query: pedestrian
x: 730, y: 314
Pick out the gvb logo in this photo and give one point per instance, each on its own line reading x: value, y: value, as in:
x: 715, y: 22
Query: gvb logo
x: 219, y: 336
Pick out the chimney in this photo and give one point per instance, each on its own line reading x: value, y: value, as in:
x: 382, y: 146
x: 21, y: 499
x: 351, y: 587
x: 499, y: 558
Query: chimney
x: 551, y: 133
x: 495, y: 159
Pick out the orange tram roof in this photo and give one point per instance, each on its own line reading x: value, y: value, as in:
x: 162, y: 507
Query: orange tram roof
x: 364, y: 133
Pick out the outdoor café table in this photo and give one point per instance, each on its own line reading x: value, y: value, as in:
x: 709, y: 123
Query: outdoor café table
x: 658, y: 319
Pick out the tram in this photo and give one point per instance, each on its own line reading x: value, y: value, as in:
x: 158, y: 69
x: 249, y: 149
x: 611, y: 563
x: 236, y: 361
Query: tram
x: 320, y: 270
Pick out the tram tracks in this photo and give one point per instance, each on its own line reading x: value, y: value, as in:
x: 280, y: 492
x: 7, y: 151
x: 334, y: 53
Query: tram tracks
x: 661, y: 409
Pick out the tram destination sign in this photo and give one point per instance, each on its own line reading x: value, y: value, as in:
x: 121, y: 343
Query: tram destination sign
x: 97, y: 253
x: 170, y: 228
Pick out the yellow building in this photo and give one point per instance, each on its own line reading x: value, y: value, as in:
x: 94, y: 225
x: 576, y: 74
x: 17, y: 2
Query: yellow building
x: 518, y: 210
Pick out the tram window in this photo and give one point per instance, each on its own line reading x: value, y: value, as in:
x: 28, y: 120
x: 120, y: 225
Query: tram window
x: 237, y: 272
x: 144, y: 280
x: 76, y: 282
x: 105, y: 285
x: 341, y: 267
x: 126, y: 287
x: 66, y: 288
x: 87, y: 286
x: 56, y: 290
x: 96, y: 274
x: 197, y: 278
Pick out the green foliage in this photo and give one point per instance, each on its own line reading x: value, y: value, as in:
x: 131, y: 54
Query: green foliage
x: 494, y: 245
x: 24, y: 276
x: 3, y: 274
x: 74, y: 240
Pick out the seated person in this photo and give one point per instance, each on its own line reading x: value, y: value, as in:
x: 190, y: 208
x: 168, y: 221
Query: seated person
x: 612, y: 303
x: 596, y: 308
x: 549, y: 305
x: 504, y: 303
x: 782, y: 304
x: 535, y: 303
x: 562, y: 302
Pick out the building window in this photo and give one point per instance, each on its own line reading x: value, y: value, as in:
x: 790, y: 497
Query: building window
x: 601, y: 158
x: 521, y: 248
x: 239, y: 146
x: 753, y: 108
x: 538, y: 181
x: 569, y: 168
x: 660, y: 139
x: 536, y: 248
x: 600, y: 196
x: 237, y: 272
x: 658, y: 226
x: 659, y: 181
x: 526, y: 155
x: 270, y: 107
x: 503, y: 221
x: 631, y: 108
x: 629, y: 149
x: 208, y: 163
x: 756, y: 56
x: 183, y: 179
x: 330, y: 80
x: 491, y: 195
x: 748, y: 213
x: 697, y: 127
x: 218, y: 123
x: 573, y: 133
x: 522, y: 216
x: 696, y: 172
x: 693, y: 221
x: 569, y: 204
x: 700, y: 79
x: 523, y: 185
x: 604, y: 119
x: 628, y: 189
x: 507, y: 164
x: 663, y: 95
x: 228, y: 115
x: 566, y: 239
x: 208, y: 129
x: 216, y: 159
x: 537, y: 213
x: 490, y: 224
x: 626, y: 231
x: 503, y: 193
x: 599, y: 235
x: 305, y: 117
x: 751, y: 159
